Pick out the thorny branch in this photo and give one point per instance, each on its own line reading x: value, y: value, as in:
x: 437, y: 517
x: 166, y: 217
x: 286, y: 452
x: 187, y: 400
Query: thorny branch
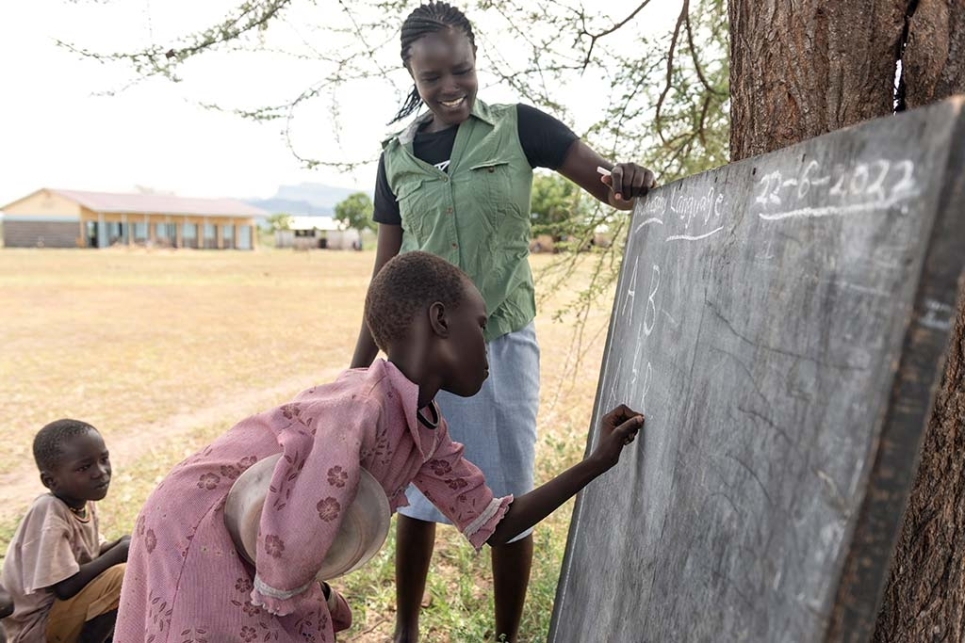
x: 251, y: 15
x: 537, y: 49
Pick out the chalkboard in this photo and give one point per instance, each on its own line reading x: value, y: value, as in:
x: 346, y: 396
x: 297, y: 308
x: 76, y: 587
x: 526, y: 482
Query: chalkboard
x: 782, y: 323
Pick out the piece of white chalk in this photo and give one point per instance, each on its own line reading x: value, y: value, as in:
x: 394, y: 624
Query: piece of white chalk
x: 602, y: 170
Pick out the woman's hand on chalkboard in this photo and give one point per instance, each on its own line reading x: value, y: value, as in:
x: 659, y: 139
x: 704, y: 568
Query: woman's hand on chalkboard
x: 627, y: 181
x: 618, y: 428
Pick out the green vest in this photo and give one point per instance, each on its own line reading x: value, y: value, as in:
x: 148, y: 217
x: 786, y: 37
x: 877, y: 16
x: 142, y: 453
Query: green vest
x: 476, y: 216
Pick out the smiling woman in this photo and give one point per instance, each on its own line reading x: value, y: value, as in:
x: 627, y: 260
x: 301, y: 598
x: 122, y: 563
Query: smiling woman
x: 457, y: 183
x: 443, y: 68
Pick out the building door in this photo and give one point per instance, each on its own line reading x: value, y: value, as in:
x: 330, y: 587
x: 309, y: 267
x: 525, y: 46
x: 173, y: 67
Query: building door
x: 91, y: 234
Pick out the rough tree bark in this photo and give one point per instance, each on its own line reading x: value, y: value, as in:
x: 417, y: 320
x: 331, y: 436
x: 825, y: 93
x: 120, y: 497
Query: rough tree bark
x: 802, y: 69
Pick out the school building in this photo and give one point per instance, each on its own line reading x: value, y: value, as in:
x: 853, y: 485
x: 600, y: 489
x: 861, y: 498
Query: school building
x: 73, y: 219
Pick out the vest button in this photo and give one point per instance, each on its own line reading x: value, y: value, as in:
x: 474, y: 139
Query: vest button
x: 455, y: 245
x: 448, y: 210
x: 491, y: 169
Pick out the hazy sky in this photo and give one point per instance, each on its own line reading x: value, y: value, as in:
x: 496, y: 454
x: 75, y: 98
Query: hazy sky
x: 56, y: 131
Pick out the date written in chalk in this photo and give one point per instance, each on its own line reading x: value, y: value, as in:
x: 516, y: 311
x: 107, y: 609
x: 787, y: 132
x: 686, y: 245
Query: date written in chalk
x: 867, y: 186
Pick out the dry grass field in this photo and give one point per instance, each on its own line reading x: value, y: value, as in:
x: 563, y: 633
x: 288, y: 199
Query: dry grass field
x: 164, y: 350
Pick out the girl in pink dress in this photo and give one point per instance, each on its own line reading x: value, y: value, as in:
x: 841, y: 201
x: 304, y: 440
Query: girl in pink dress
x: 185, y: 581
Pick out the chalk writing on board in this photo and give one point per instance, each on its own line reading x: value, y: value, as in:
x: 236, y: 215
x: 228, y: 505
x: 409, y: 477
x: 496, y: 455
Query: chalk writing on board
x: 694, y: 237
x: 648, y: 222
x: 647, y: 380
x: 689, y: 207
x: 656, y: 204
x: 690, y: 217
x: 636, y: 359
x: 879, y: 185
x: 691, y: 210
x: 938, y: 316
x: 650, y: 316
x: 631, y: 290
x: 775, y: 364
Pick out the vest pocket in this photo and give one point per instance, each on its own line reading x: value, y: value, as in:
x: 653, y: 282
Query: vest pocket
x: 412, y: 208
x: 491, y: 189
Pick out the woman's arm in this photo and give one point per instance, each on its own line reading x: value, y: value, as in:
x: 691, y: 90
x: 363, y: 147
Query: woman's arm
x: 628, y: 180
x: 390, y: 241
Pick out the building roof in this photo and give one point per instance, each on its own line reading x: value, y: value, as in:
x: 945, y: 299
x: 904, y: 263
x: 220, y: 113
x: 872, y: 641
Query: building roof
x: 104, y: 202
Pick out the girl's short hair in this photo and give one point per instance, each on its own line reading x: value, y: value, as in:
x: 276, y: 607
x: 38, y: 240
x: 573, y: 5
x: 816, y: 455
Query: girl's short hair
x: 408, y: 284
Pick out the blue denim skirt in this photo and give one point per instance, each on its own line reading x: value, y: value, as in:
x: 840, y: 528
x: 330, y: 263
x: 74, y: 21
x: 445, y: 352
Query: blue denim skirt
x: 497, y: 425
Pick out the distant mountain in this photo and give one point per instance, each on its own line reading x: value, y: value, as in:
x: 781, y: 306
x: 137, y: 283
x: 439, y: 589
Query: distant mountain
x: 304, y: 199
x: 294, y: 208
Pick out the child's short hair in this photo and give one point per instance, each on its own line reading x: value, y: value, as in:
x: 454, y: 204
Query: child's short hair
x: 49, y: 441
x: 407, y: 284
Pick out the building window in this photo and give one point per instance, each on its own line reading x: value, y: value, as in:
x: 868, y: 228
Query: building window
x: 115, y: 233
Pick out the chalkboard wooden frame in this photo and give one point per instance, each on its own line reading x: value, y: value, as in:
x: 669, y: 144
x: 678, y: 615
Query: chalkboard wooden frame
x: 697, y: 534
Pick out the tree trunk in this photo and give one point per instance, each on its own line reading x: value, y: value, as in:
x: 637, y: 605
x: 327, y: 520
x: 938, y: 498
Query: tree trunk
x: 802, y: 69
x: 934, y: 60
x: 925, y: 596
x: 806, y: 68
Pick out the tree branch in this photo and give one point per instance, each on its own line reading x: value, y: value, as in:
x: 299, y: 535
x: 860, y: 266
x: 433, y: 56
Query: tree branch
x: 607, y: 32
x: 670, y: 52
x: 250, y: 15
x: 697, y: 66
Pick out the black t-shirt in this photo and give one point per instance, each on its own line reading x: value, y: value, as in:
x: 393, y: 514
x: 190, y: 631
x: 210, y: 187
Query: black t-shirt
x: 545, y: 141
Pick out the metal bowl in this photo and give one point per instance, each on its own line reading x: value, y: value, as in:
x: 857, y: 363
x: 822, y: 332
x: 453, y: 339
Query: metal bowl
x: 361, y: 534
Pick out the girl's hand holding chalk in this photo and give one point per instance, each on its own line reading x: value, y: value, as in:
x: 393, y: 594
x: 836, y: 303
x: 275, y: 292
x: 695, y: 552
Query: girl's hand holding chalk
x: 618, y: 428
x: 627, y: 181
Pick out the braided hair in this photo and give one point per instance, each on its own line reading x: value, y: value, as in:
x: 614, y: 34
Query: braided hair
x: 50, y: 440
x: 433, y: 17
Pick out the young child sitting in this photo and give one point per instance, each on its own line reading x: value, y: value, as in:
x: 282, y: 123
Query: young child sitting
x: 64, y: 582
x: 185, y: 580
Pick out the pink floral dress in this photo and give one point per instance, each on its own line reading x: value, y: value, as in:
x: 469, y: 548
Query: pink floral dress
x: 185, y: 583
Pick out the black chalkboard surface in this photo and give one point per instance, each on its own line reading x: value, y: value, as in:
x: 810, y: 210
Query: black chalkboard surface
x: 782, y: 323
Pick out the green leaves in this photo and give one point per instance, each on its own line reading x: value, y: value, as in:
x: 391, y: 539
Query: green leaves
x: 279, y: 221
x: 355, y: 212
